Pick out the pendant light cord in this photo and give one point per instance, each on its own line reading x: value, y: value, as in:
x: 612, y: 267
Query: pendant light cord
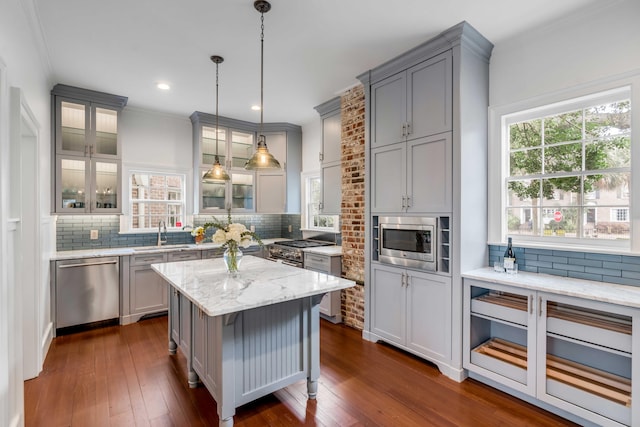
x: 217, y: 158
x: 261, y: 71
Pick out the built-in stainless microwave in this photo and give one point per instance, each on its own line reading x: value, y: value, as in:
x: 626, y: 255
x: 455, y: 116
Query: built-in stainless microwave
x: 408, y: 241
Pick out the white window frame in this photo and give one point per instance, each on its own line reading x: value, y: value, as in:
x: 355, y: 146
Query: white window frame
x: 498, y: 163
x: 306, y: 215
x: 187, y: 202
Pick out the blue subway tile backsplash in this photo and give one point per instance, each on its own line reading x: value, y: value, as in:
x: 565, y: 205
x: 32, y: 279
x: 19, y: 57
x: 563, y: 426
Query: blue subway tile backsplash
x: 622, y: 269
x: 73, y: 232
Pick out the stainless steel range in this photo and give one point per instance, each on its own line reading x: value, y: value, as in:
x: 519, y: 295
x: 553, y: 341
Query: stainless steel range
x: 290, y: 251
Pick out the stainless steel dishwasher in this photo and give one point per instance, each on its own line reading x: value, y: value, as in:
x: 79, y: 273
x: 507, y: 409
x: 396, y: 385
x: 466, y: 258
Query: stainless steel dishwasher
x: 87, y: 291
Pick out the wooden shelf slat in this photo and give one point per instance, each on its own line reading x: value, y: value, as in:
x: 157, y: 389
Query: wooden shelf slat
x: 621, y: 324
x: 603, y: 384
x: 516, y: 302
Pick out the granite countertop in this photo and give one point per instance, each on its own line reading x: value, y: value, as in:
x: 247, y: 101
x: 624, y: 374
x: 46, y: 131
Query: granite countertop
x: 260, y: 282
x: 598, y: 291
x: 325, y: 250
x: 124, y: 251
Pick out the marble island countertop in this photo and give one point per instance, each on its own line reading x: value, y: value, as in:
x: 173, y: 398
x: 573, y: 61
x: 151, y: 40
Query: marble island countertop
x: 598, y: 291
x: 124, y: 251
x: 259, y: 282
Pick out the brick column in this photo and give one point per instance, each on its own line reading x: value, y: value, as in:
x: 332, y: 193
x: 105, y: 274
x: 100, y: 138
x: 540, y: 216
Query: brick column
x: 353, y: 216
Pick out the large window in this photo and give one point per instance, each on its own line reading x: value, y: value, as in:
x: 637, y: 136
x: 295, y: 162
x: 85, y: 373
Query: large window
x: 313, y: 218
x: 156, y: 197
x: 568, y: 169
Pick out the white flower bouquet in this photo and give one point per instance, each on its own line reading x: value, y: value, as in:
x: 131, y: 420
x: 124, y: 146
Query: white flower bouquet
x: 231, y: 236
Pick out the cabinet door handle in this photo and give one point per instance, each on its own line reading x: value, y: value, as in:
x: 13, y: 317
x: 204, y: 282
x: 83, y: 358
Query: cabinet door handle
x: 407, y: 280
x: 320, y: 156
x: 402, y: 280
x: 86, y: 150
x: 408, y: 128
x: 539, y: 306
x: 530, y: 304
x: 408, y: 201
x: 403, y: 202
x: 404, y: 129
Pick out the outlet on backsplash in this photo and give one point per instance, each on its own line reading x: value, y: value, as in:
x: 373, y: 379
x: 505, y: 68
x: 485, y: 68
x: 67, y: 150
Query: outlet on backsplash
x: 290, y: 228
x: 94, y: 235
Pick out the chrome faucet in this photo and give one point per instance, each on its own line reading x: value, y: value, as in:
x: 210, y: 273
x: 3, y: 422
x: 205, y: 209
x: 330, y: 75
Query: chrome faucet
x: 162, y: 224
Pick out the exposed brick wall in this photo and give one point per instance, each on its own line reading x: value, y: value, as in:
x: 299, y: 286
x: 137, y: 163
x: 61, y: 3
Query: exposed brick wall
x: 353, y: 179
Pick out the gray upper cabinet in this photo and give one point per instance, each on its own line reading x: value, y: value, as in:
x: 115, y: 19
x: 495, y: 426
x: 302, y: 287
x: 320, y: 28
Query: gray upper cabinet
x: 414, y: 103
x: 86, y: 162
x: 245, y: 192
x: 279, y: 191
x: 412, y: 177
x: 234, y: 146
x: 331, y: 157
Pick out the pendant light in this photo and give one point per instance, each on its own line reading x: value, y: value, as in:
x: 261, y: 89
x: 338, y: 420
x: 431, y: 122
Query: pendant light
x: 262, y: 159
x: 217, y: 172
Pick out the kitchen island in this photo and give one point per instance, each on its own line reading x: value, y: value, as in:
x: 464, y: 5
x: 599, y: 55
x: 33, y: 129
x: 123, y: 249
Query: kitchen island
x: 250, y: 335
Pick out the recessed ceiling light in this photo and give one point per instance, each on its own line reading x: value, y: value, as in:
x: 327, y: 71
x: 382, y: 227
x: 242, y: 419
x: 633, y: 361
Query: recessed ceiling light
x: 255, y: 107
x: 163, y: 86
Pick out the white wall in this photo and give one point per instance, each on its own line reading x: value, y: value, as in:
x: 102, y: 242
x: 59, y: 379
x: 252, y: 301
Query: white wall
x: 567, y: 58
x: 23, y: 68
x: 155, y: 138
x: 600, y: 42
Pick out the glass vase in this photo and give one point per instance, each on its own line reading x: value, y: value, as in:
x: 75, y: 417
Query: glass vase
x: 232, y: 259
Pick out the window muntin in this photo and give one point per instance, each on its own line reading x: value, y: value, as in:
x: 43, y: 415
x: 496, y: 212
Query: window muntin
x: 156, y: 197
x: 569, y: 170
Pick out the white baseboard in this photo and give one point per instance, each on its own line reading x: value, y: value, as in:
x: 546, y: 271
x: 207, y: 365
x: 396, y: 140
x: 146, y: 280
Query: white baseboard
x: 16, y: 421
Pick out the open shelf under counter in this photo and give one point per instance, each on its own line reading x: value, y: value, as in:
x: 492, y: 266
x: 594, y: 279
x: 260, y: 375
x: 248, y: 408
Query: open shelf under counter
x: 567, y: 343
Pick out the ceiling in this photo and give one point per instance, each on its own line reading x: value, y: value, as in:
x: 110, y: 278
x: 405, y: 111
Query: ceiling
x: 314, y: 49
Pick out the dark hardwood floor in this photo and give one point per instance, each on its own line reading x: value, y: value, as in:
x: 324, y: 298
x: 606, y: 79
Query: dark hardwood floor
x: 124, y: 376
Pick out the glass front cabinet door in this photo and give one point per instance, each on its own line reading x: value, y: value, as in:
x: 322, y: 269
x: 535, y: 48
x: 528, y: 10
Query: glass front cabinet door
x: 87, y: 162
x: 233, y: 142
x: 85, y: 185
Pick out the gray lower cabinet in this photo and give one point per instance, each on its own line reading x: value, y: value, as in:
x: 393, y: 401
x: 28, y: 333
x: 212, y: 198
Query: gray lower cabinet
x: 330, y: 306
x: 411, y: 309
x: 571, y: 353
x: 148, y: 292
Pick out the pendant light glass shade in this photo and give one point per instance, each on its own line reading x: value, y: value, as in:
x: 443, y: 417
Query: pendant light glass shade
x: 262, y: 159
x: 217, y: 172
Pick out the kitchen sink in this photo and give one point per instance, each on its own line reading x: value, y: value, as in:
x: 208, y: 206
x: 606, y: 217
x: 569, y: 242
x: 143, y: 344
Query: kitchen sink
x: 161, y: 248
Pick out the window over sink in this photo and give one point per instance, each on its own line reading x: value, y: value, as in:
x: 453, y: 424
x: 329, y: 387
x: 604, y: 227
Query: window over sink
x: 156, y: 197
